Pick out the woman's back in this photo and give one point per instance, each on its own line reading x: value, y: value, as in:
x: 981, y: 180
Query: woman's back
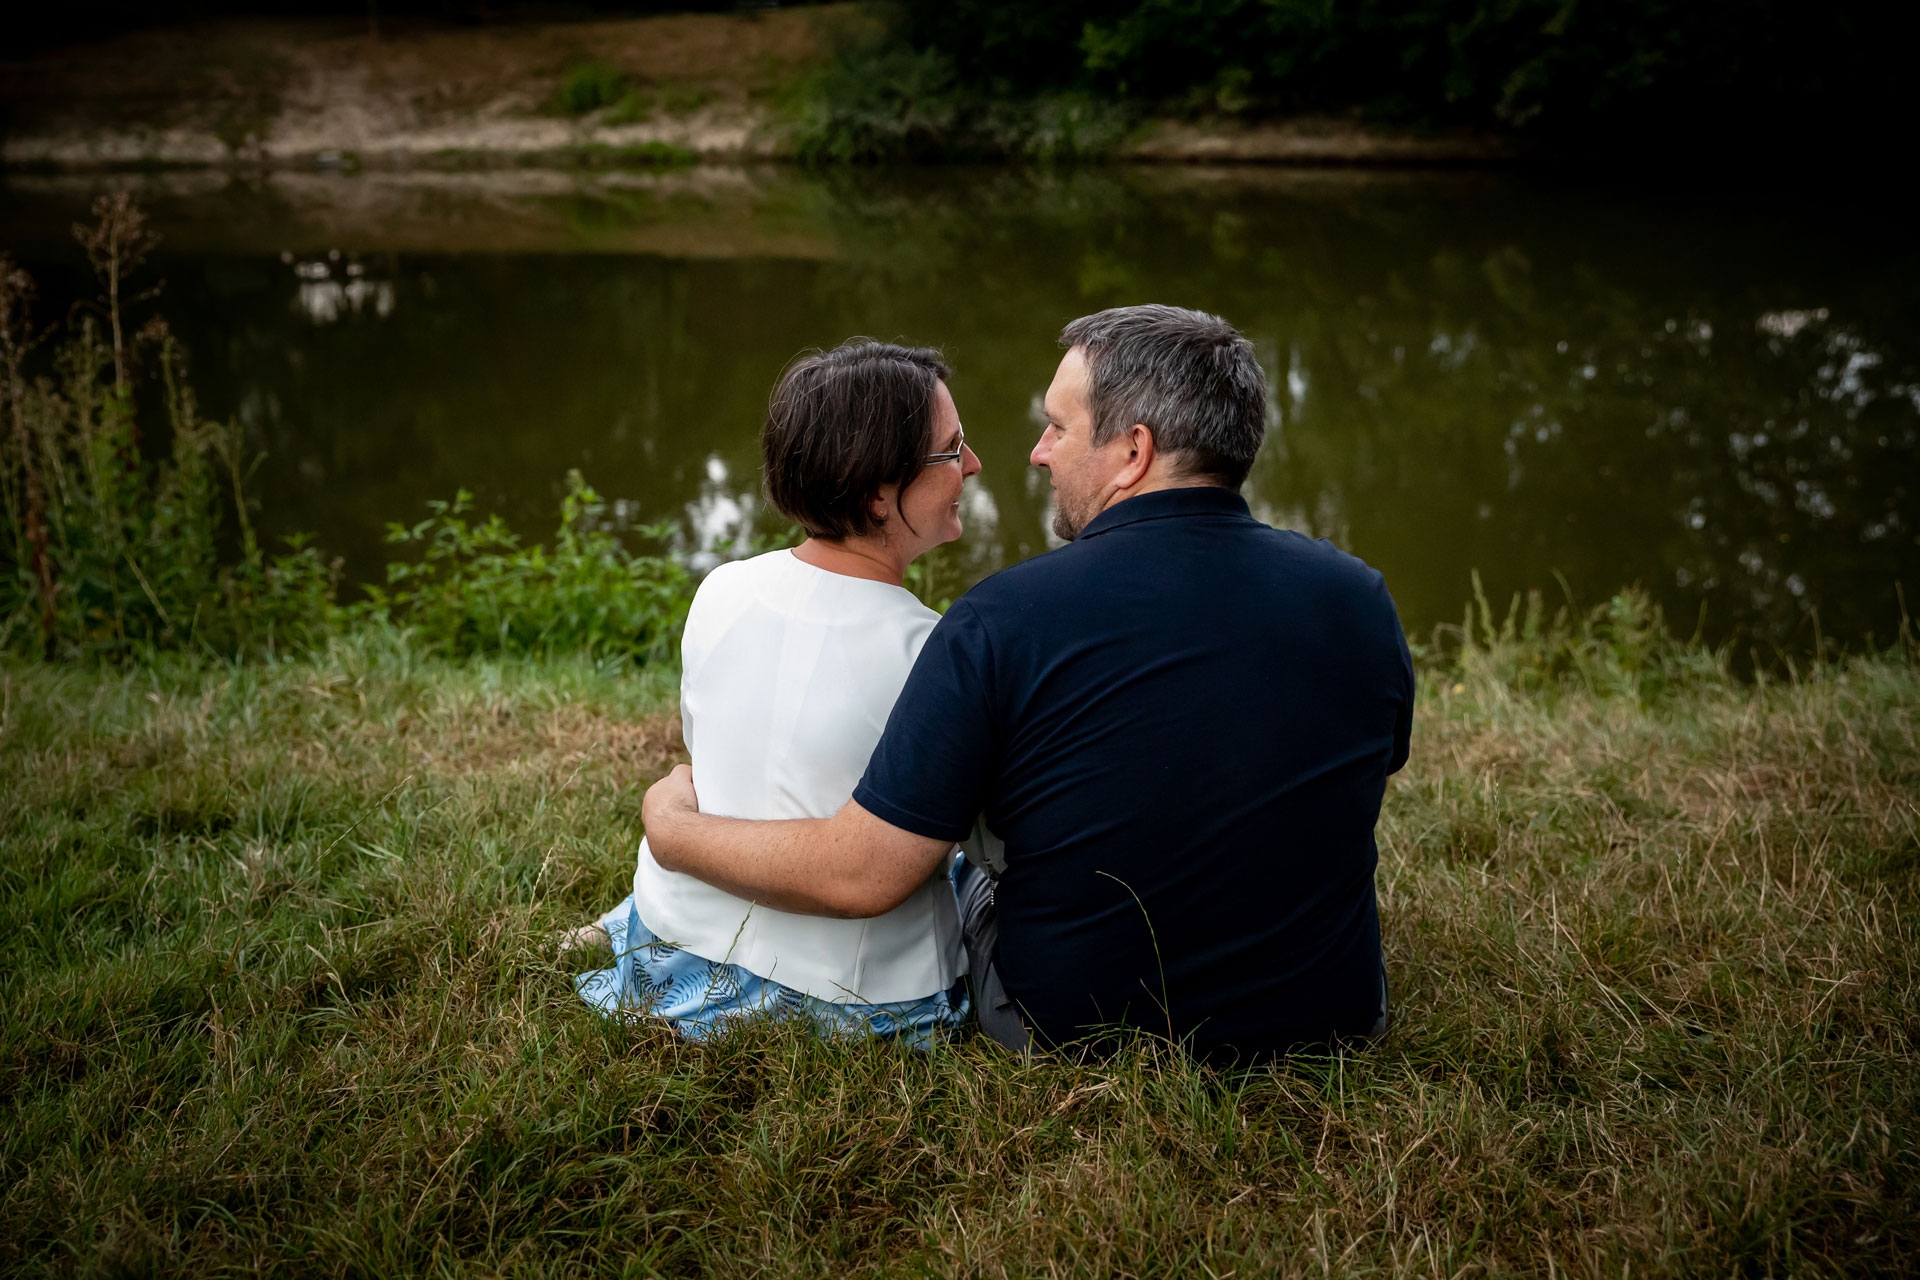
x: 788, y: 675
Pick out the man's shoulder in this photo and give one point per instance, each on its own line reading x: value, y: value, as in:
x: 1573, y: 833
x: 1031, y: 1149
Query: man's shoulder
x: 1055, y: 578
x: 1017, y: 587
x: 1319, y: 556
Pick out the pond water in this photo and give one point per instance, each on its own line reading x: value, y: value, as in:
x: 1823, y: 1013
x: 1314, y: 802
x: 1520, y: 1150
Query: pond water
x: 1559, y: 389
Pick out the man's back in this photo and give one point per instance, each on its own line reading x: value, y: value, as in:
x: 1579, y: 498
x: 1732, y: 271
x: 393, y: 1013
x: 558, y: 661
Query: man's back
x: 1181, y: 726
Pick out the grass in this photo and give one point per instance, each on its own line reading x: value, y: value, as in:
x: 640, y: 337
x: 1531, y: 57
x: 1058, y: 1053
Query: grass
x: 595, y: 86
x: 280, y: 997
x: 588, y: 88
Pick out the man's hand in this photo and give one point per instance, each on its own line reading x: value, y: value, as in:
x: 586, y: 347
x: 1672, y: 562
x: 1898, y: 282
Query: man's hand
x: 852, y: 865
x: 672, y: 796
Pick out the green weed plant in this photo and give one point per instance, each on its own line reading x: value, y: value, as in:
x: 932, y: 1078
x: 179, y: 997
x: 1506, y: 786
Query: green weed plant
x: 589, y: 87
x: 886, y: 101
x: 113, y: 548
x: 476, y: 590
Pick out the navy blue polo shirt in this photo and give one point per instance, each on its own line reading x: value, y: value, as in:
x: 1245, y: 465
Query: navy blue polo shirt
x: 1181, y: 724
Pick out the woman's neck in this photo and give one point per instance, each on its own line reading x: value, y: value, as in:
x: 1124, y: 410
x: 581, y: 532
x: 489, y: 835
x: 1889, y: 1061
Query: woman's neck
x: 854, y: 558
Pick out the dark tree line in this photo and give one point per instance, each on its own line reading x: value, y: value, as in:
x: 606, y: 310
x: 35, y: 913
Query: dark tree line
x: 1796, y: 72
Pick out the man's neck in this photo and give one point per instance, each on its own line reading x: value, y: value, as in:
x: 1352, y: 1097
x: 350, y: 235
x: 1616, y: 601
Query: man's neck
x: 1156, y: 483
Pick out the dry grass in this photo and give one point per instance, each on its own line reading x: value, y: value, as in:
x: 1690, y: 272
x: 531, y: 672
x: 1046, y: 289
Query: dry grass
x: 249, y: 69
x: 280, y: 997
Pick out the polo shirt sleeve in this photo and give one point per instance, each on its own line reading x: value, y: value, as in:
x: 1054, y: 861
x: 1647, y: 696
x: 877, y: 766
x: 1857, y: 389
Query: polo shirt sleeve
x: 930, y: 771
x: 1403, y: 722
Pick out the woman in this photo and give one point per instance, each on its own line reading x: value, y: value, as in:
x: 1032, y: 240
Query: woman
x: 790, y: 664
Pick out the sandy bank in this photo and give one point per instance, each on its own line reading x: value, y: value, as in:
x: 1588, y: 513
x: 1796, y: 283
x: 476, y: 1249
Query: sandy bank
x: 331, y: 95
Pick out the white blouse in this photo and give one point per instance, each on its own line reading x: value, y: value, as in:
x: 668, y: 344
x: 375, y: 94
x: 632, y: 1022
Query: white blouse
x: 788, y: 673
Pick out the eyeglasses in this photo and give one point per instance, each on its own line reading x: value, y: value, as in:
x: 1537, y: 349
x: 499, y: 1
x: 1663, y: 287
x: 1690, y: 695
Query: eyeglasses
x: 953, y: 453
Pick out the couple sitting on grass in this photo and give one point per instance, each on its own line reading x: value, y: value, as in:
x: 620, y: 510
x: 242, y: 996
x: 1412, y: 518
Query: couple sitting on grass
x: 1162, y: 746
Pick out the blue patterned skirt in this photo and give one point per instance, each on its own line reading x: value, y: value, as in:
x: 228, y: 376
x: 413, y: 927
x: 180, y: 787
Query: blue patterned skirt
x: 701, y: 997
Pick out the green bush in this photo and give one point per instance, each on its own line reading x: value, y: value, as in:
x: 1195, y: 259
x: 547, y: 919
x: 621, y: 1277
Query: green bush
x: 476, y: 590
x: 589, y: 87
x: 891, y: 102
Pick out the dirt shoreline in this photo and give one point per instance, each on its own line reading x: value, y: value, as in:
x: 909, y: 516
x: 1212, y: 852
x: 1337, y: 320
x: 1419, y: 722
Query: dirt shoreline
x: 320, y: 95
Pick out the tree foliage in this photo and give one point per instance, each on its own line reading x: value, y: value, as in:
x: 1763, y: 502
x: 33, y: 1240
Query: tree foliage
x: 1560, y: 67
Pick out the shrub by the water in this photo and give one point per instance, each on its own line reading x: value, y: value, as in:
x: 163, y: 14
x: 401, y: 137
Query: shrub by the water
x: 476, y: 590
x: 127, y: 538
x: 589, y: 87
x: 883, y: 100
x: 110, y: 551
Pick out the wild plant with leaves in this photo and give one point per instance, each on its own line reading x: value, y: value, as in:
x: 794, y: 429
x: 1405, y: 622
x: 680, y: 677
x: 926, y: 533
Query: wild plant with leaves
x: 476, y: 590
x: 114, y: 531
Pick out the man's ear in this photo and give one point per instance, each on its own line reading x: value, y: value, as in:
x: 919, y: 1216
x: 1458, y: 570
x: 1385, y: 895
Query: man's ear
x: 1140, y: 461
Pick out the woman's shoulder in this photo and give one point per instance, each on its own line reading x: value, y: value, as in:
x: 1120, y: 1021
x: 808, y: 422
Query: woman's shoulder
x: 781, y: 581
x: 733, y: 575
x: 757, y: 579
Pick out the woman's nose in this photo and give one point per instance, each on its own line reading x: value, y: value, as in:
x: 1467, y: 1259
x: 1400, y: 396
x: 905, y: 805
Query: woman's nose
x: 969, y: 461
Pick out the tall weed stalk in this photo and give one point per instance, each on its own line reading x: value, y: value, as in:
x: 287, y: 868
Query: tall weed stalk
x: 1622, y: 648
x: 111, y: 553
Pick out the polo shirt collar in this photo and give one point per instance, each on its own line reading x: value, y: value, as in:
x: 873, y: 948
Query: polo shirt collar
x: 1196, y: 500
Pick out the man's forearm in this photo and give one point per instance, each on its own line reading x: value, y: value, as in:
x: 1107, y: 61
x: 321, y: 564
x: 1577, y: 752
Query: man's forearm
x: 851, y: 865
x: 767, y: 862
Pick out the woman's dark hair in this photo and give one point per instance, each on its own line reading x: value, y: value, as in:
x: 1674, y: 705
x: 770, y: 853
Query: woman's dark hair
x: 841, y: 424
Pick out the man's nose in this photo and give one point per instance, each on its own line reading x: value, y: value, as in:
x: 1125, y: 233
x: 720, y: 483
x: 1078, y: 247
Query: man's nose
x: 1041, y: 455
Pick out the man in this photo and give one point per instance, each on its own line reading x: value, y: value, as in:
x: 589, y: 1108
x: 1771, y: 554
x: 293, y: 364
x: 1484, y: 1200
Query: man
x: 1180, y: 725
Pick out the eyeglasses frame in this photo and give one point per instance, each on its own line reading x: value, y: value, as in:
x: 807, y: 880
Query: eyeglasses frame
x: 952, y: 455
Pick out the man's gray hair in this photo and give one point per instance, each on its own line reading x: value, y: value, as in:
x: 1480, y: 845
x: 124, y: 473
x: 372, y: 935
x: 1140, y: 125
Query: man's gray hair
x: 1187, y: 376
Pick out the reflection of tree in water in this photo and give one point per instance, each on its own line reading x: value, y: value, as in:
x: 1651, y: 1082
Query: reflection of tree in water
x: 330, y: 289
x: 1757, y: 474
x: 1533, y: 387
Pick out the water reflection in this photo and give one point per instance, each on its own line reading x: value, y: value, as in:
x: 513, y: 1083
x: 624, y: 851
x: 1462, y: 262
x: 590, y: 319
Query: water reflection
x: 1467, y: 372
x: 719, y: 523
x: 323, y: 298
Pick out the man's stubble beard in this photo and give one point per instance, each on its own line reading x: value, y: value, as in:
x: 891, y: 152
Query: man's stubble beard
x: 1068, y: 519
x: 1072, y: 513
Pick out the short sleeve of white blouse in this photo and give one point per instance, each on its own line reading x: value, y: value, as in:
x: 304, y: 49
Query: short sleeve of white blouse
x: 788, y: 673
